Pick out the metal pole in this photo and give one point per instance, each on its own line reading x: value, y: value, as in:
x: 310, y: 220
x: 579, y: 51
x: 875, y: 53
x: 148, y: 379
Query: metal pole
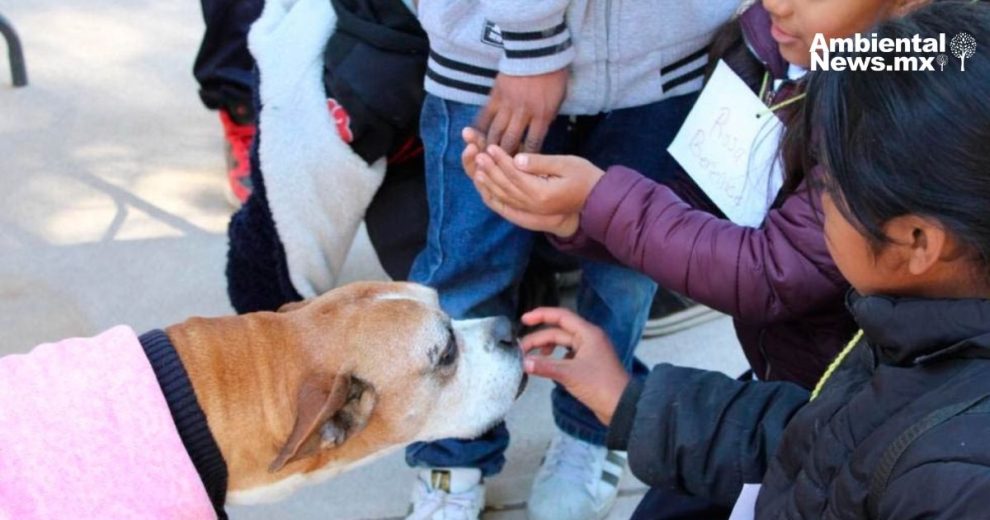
x: 18, y: 71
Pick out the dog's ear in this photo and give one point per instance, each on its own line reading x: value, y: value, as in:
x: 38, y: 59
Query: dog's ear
x: 330, y: 409
x: 291, y: 306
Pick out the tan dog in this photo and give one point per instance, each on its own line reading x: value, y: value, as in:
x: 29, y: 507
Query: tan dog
x: 247, y: 407
x: 305, y: 393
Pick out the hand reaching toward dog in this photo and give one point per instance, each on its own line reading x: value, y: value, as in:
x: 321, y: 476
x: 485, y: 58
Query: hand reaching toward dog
x: 591, y: 372
x: 537, y: 192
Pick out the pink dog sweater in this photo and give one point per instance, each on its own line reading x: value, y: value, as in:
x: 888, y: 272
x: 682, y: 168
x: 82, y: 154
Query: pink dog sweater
x: 87, y: 432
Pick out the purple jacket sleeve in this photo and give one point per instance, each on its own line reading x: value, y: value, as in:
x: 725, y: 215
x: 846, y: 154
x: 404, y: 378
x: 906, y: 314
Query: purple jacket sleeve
x: 774, y: 273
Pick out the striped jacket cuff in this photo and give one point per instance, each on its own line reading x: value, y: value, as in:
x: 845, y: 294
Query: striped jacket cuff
x: 539, y: 49
x: 457, y: 75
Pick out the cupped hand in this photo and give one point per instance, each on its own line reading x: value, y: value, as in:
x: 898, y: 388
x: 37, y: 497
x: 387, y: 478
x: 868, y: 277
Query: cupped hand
x: 543, y: 184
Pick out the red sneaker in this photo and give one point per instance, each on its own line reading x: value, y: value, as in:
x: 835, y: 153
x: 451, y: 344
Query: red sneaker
x: 239, y: 139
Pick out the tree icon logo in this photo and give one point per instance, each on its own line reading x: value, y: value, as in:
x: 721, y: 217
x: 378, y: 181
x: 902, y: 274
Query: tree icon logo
x: 942, y: 60
x: 963, y: 46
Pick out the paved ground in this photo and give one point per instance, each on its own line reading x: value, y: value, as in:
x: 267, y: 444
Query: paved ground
x: 112, y: 189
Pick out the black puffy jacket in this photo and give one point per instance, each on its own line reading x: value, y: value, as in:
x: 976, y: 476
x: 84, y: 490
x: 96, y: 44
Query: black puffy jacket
x: 900, y: 430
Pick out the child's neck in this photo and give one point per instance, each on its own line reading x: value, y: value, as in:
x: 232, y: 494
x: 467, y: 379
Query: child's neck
x: 950, y: 290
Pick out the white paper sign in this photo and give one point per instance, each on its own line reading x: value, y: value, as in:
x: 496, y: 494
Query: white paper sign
x: 745, y: 508
x: 729, y: 146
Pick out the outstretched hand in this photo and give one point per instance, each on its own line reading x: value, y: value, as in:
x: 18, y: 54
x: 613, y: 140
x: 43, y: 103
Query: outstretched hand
x: 537, y: 192
x: 591, y: 371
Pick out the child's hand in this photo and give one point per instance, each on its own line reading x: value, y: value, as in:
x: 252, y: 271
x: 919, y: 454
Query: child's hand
x: 591, y: 372
x: 540, y: 184
x: 522, y: 106
x: 474, y: 143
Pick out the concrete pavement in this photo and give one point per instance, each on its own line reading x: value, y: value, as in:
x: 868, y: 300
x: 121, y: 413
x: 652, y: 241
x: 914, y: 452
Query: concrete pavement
x: 112, y: 188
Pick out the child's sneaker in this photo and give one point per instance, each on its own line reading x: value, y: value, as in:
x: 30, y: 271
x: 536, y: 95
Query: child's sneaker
x: 577, y: 481
x: 671, y: 313
x: 448, y: 494
x: 239, y: 137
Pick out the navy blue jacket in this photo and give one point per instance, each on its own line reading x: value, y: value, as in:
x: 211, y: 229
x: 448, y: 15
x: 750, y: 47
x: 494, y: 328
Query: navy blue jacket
x: 844, y: 453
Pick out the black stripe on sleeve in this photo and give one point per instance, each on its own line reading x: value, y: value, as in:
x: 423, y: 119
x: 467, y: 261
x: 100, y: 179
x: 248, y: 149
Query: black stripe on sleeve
x: 676, y: 82
x: 460, y: 85
x: 463, y: 67
x: 534, y: 35
x: 539, y: 53
x: 684, y: 61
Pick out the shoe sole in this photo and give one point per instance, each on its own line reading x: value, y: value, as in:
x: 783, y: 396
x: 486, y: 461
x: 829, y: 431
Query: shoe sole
x: 608, y: 507
x: 686, y: 319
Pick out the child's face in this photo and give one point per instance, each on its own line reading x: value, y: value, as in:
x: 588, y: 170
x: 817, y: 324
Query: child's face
x: 796, y: 22
x: 867, y: 272
x: 920, y: 258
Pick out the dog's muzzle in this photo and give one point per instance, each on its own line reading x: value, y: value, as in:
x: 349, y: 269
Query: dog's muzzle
x: 505, y: 339
x: 522, y: 385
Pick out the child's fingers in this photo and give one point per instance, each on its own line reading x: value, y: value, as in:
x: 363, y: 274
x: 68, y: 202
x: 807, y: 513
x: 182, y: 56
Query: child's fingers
x: 486, y: 196
x: 520, y: 218
x: 514, y: 132
x: 537, y: 131
x: 496, y: 173
x: 484, y: 175
x: 563, y: 318
x: 496, y: 202
x: 550, y: 368
x: 472, y: 136
x: 543, y: 165
x: 546, y: 338
x: 499, y: 124
x: 528, y: 185
x: 467, y: 159
x: 485, y: 118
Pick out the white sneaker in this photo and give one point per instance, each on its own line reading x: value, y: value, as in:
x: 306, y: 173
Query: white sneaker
x: 448, y: 494
x: 577, y: 481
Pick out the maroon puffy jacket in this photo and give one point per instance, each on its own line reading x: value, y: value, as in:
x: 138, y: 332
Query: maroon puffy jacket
x: 777, y: 281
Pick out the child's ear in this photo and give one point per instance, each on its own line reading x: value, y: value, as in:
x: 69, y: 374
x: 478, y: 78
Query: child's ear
x: 926, y: 242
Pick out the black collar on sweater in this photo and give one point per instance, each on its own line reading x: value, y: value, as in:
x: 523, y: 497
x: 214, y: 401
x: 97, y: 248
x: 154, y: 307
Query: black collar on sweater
x: 913, y: 331
x: 189, y: 419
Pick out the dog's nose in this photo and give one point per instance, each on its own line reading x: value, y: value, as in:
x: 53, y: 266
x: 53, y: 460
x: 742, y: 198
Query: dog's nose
x: 502, y: 333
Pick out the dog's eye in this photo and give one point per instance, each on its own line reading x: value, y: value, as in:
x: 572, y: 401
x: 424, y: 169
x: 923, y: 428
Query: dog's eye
x: 449, y: 353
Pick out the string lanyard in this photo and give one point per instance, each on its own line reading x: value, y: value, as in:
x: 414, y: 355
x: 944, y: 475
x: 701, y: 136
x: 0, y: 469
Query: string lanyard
x: 778, y: 106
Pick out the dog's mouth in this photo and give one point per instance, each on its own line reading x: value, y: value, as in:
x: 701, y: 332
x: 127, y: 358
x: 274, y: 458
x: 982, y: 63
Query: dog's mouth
x: 522, y: 385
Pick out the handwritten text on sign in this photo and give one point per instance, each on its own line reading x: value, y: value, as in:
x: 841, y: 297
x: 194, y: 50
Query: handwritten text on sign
x: 729, y: 146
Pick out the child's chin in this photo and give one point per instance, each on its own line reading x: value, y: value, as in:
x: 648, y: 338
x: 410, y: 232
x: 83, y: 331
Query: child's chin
x: 795, y: 54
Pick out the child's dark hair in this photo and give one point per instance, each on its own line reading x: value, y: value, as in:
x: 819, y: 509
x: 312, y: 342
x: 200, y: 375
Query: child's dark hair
x: 899, y: 143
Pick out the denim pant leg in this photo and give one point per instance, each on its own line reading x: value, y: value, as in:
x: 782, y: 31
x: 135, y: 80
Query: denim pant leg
x: 616, y: 298
x: 473, y: 258
x: 638, y: 138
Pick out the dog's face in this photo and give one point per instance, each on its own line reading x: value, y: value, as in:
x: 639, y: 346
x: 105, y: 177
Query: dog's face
x: 391, y: 368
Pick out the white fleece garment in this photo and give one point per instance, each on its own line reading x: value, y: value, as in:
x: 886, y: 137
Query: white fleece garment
x: 318, y: 188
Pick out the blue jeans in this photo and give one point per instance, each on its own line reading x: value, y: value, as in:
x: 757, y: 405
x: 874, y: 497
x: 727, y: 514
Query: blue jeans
x: 475, y: 259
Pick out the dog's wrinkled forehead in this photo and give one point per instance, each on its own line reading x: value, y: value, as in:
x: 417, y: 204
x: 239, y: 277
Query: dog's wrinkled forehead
x: 410, y: 291
x: 368, y: 292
